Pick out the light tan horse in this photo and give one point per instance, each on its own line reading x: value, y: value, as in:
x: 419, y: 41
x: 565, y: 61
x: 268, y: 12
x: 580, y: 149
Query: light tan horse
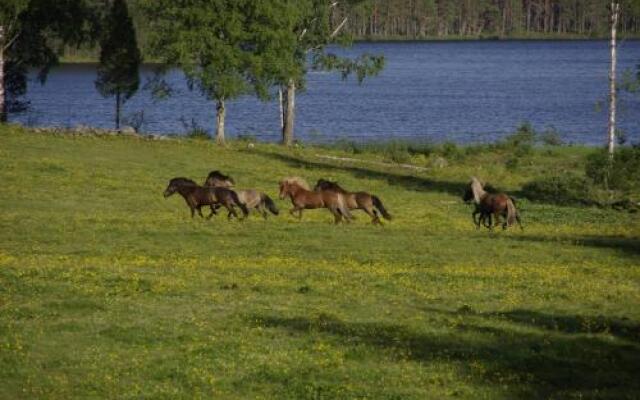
x: 489, y: 204
x: 369, y: 203
x: 303, y: 198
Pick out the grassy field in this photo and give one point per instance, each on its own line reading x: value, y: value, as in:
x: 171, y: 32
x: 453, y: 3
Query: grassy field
x: 108, y: 290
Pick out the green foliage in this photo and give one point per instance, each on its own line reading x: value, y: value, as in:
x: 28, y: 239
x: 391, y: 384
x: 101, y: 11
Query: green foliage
x: 32, y: 28
x: 623, y: 173
x: 204, y: 39
x: 119, y: 69
x: 565, y: 189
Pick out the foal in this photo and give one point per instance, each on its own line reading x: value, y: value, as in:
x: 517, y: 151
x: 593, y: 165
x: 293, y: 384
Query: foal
x: 197, y: 196
x: 302, y: 198
x: 489, y: 204
x: 358, y: 200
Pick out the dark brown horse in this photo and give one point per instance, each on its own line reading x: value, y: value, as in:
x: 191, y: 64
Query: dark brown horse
x: 197, y: 196
x: 218, y: 179
x: 490, y: 205
x: 303, y: 198
x: 359, y: 200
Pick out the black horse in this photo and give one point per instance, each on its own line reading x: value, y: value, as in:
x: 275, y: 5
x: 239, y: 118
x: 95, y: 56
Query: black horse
x: 197, y: 196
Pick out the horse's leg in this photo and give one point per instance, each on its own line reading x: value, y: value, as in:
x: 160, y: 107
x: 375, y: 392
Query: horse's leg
x: 473, y: 217
x: 199, y: 211
x: 519, y: 222
x: 262, y: 211
x: 337, y: 215
x: 374, y: 217
x: 232, y: 211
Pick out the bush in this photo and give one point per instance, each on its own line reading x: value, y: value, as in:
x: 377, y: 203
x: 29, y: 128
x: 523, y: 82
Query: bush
x: 525, y: 136
x: 621, y: 174
x: 551, y: 137
x: 562, y: 189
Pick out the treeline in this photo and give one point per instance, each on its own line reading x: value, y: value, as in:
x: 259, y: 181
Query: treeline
x: 415, y: 19
x: 451, y: 19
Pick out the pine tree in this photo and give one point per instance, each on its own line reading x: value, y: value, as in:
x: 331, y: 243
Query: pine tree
x: 119, y: 70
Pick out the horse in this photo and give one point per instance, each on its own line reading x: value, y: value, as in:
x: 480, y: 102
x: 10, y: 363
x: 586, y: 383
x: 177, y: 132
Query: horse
x: 302, y: 197
x: 490, y: 204
x: 218, y: 179
x: 358, y: 200
x: 197, y: 196
x: 251, y: 198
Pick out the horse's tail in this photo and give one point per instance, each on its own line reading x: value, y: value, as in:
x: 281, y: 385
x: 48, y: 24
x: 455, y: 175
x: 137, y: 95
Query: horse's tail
x: 236, y: 199
x: 271, y: 206
x: 378, y: 204
x: 512, y: 213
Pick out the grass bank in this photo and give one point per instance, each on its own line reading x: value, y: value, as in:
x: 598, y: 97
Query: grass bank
x: 108, y: 290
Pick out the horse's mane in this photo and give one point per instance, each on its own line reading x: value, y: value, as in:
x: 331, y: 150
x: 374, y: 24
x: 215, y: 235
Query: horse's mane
x: 477, y: 188
x: 182, y: 181
x: 297, y: 181
x: 219, y: 175
x: 329, y: 185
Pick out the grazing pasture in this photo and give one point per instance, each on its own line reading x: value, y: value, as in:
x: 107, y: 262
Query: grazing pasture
x: 109, y: 290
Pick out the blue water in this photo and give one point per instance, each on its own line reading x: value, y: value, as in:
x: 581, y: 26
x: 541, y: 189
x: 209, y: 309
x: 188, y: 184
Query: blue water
x: 459, y: 91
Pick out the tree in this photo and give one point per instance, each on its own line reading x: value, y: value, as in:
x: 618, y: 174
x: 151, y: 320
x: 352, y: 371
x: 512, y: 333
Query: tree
x: 316, y: 28
x: 206, y: 40
x: 615, y: 13
x: 119, y: 70
x: 28, y: 30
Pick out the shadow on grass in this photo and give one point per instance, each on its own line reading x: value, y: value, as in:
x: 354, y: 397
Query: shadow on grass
x: 629, y: 246
x: 526, y: 365
x: 409, y: 182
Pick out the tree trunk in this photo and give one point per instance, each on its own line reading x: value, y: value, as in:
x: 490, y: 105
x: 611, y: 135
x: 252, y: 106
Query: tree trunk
x: 3, y: 105
x: 615, y: 11
x: 289, y: 113
x: 118, y: 110
x: 220, y: 114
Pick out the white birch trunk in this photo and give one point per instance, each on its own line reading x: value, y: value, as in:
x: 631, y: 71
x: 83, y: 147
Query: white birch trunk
x: 3, y: 105
x: 615, y: 12
x: 290, y: 109
x: 220, y: 114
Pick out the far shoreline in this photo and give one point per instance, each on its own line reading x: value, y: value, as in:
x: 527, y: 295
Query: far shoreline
x: 402, y: 40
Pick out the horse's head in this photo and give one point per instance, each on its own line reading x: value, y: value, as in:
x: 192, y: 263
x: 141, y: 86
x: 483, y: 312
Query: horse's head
x: 175, y: 183
x: 467, y: 197
x: 474, y: 191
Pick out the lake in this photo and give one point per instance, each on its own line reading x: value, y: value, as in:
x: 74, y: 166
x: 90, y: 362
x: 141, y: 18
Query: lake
x: 438, y: 91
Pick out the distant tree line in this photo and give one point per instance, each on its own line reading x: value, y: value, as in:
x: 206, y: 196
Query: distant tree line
x: 414, y: 19
x: 443, y: 19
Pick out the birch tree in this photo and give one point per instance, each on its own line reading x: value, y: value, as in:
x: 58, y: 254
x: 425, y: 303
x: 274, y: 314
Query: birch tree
x: 615, y: 14
x: 316, y: 29
x: 206, y: 40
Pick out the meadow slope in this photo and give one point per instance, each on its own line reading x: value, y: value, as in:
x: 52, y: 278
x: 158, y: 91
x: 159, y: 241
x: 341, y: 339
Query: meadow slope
x: 108, y: 290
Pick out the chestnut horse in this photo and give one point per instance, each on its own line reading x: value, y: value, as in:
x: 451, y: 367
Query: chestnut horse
x: 303, y: 198
x: 489, y: 204
x: 197, y: 196
x: 358, y: 200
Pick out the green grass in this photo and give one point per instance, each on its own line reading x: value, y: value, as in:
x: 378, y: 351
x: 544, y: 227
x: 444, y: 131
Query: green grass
x: 108, y: 290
